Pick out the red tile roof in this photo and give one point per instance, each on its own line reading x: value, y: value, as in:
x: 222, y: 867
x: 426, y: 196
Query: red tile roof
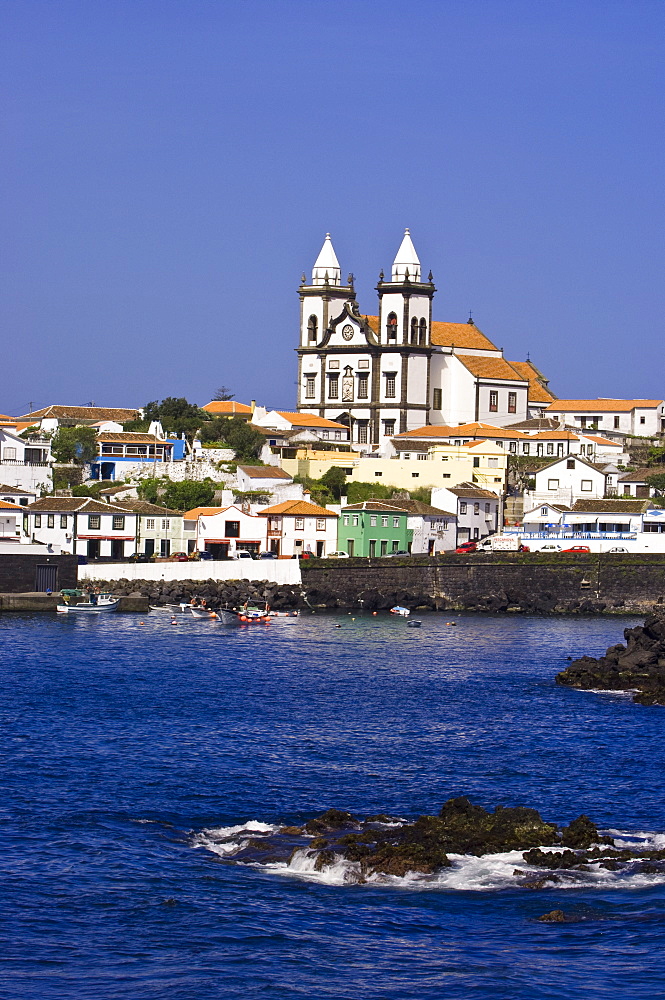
x: 603, y: 405
x: 297, y: 508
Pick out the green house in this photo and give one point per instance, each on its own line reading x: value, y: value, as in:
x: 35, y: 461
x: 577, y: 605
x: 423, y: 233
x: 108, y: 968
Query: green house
x: 373, y: 528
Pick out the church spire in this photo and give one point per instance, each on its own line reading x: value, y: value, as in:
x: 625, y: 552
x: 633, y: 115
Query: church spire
x: 406, y: 263
x: 326, y: 267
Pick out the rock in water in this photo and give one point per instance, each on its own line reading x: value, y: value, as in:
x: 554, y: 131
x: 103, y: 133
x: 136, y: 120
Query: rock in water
x: 553, y: 917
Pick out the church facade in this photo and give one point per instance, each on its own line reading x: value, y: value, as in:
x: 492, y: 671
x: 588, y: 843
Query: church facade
x: 399, y: 370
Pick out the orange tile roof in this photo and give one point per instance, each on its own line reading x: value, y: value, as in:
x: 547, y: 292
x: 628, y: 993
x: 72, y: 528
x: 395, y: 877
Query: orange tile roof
x: 309, y: 420
x: 462, y: 430
x: 451, y: 334
x: 297, y: 508
x: 490, y: 368
x: 554, y: 436
x: 196, y: 512
x: 10, y: 506
x: 602, y: 440
x: 602, y: 405
x: 227, y: 408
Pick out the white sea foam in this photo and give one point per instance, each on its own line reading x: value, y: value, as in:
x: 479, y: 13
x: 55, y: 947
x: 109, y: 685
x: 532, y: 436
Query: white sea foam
x: 226, y: 841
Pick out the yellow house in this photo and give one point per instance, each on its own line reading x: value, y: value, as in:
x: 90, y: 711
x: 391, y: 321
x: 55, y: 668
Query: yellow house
x: 431, y: 466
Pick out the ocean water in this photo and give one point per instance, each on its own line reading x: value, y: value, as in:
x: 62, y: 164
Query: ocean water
x: 137, y: 757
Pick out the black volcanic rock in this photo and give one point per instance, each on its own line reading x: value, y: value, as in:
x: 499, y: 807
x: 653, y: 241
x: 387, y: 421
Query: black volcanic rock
x: 638, y: 666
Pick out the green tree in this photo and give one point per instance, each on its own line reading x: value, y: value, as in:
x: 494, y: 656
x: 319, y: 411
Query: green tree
x: 75, y: 444
x: 223, y: 394
x: 177, y: 416
x: 245, y: 440
x: 178, y: 496
x: 334, y: 481
x: 657, y: 482
x: 358, y: 492
x: 149, y: 489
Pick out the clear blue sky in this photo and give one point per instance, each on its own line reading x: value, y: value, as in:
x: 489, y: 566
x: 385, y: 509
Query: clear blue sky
x: 170, y: 168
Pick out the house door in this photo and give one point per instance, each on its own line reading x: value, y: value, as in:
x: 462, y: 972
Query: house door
x: 372, y: 547
x: 117, y: 549
x: 430, y: 547
x: 218, y: 550
x: 274, y: 546
x: 319, y: 549
x: 46, y: 578
x: 165, y: 547
x: 93, y: 549
x: 150, y: 546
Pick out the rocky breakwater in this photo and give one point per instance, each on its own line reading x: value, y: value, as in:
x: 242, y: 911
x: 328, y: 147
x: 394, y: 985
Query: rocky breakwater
x: 637, y: 666
x: 381, y: 846
x: 217, y: 593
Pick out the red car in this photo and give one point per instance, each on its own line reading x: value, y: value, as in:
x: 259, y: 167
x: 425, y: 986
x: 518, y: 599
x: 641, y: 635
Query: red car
x: 465, y: 548
x: 578, y: 548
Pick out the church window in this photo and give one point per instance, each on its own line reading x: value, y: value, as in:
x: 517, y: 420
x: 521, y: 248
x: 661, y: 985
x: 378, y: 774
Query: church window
x: 310, y: 386
x: 414, y: 330
x: 422, y: 332
x: 312, y: 329
x: 392, y: 327
x: 494, y: 401
x: 512, y: 402
x: 437, y: 400
x: 391, y: 382
x: 363, y: 384
x: 333, y: 387
x: 362, y: 431
x: 388, y: 428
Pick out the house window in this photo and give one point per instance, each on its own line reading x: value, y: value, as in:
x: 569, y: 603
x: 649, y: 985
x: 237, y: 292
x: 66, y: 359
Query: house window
x: 320, y: 524
x: 488, y: 508
x: 476, y: 508
x: 476, y: 534
x: 476, y: 463
x: 10, y: 454
x: 421, y: 456
x: 355, y: 520
x: 392, y: 327
x: 312, y: 328
x: 372, y: 521
x: 300, y: 524
x: 493, y: 463
x: 526, y: 448
x: 363, y: 385
x: 166, y: 524
x: 553, y: 484
x: 543, y: 511
x: 333, y: 386
x: 570, y: 464
x: 415, y: 475
x: 310, y: 386
x: 232, y: 529
x: 643, y: 420
x: 346, y: 520
x: 550, y: 448
x: 437, y: 399
x: 388, y: 428
x: 395, y: 522
x: 391, y: 381
x: 38, y: 520
x: 63, y: 520
x: 118, y: 523
x: 50, y: 521
x: 512, y: 402
x: 513, y: 447
x: 361, y: 426
x: 462, y: 507
x: 384, y: 522
x: 378, y: 474
x: 94, y: 522
x: 494, y: 401
x: 150, y: 524
x: 586, y: 485
x: 617, y: 421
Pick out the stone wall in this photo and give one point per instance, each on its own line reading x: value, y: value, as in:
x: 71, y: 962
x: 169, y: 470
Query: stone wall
x: 515, y: 582
x: 18, y: 572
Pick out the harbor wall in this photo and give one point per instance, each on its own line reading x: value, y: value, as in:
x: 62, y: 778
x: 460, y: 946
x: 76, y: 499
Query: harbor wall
x: 285, y: 572
x: 501, y: 582
x: 29, y: 572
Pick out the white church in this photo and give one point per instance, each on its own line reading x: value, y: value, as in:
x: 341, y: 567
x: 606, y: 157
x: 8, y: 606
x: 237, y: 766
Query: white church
x: 387, y: 374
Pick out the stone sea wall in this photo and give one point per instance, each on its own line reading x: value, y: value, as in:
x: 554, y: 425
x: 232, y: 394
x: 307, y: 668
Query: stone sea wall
x: 505, y: 582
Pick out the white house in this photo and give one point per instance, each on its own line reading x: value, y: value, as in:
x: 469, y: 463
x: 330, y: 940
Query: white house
x: 25, y: 463
x: 433, y: 530
x: 17, y: 495
x: 223, y: 531
x: 83, y: 526
x: 318, y: 427
x: 478, y: 511
x: 568, y: 479
x: 642, y: 417
x: 297, y: 527
x: 11, y: 522
x: 600, y: 524
x: 635, y: 483
x: 386, y: 374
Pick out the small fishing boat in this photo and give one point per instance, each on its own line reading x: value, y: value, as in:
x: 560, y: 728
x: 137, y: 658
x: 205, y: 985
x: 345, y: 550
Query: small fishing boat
x: 399, y: 610
x: 414, y: 624
x: 103, y: 603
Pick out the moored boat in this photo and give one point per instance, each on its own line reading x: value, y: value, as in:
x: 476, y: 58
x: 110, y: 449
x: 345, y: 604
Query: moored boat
x: 399, y: 610
x: 105, y: 602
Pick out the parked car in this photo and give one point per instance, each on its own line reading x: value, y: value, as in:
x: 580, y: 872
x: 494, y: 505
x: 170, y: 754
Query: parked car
x: 143, y: 557
x: 178, y: 557
x: 337, y: 555
x: 578, y: 548
x: 267, y: 555
x: 465, y: 548
x: 550, y: 547
x: 400, y: 552
x: 618, y: 548
x: 204, y: 554
x: 243, y: 554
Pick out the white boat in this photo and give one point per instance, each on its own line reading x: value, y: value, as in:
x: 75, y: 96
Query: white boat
x: 399, y: 610
x: 104, y: 603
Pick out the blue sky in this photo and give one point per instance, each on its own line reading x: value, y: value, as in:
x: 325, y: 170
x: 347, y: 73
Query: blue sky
x: 170, y: 169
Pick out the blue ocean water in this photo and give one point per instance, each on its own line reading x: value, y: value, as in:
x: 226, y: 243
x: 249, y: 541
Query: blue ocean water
x: 123, y: 745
